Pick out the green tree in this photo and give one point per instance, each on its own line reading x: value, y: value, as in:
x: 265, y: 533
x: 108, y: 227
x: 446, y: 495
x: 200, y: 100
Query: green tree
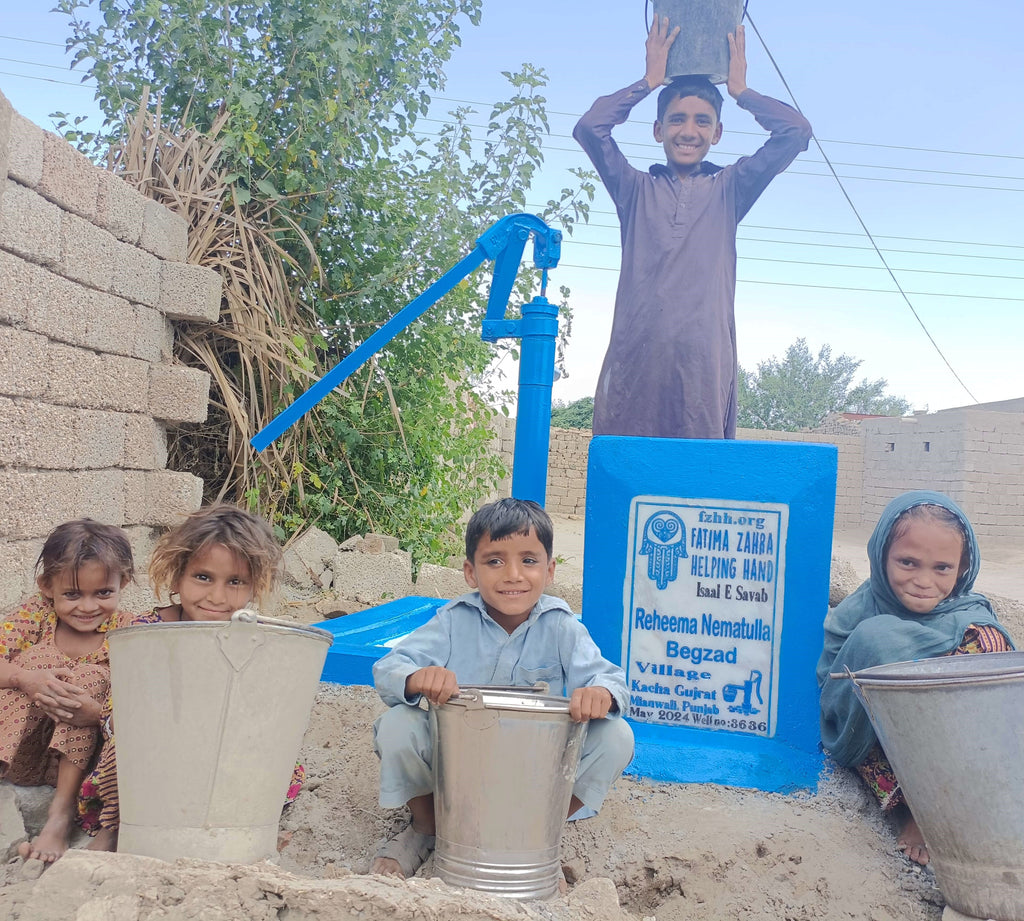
x: 579, y: 414
x: 315, y: 105
x: 801, y: 390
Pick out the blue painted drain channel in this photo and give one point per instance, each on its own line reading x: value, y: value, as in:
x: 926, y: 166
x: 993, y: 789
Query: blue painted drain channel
x: 361, y: 639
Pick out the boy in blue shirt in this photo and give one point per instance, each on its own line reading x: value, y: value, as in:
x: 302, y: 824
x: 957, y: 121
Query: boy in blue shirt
x: 505, y: 632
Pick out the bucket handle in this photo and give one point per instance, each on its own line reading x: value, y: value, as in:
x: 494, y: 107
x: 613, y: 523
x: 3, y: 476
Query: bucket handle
x: 845, y: 673
x: 478, y: 715
x: 240, y: 638
x: 250, y: 616
x: 474, y: 700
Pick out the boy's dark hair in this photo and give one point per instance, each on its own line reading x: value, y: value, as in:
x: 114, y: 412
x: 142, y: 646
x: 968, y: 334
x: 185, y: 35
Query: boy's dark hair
x: 701, y: 87
x: 83, y: 540
x: 505, y: 517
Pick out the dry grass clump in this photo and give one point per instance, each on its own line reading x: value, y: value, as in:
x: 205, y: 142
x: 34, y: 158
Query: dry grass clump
x: 259, y: 354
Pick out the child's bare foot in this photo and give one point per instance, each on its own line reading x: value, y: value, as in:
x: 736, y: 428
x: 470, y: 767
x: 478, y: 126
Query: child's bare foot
x: 911, y: 841
x: 51, y: 842
x: 403, y: 855
x: 104, y: 840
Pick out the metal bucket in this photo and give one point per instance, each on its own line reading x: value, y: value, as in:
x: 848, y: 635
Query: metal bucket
x: 505, y: 761
x: 208, y: 720
x: 702, y: 46
x: 953, y: 731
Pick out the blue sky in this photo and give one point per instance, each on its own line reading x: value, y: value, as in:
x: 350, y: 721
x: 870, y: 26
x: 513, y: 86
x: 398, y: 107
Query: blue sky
x: 916, y: 105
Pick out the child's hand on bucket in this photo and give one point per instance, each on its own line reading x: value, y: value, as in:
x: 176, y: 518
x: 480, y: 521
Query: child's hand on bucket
x: 592, y: 703
x: 434, y: 682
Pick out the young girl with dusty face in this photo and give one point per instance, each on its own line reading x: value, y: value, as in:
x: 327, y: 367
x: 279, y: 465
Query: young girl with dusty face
x: 54, y: 671
x: 925, y: 558
x: 220, y: 559
x: 216, y: 582
x: 83, y: 600
x: 918, y: 603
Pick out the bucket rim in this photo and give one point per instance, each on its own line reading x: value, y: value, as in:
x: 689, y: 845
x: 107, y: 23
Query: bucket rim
x: 522, y: 699
x: 970, y: 669
x: 274, y: 627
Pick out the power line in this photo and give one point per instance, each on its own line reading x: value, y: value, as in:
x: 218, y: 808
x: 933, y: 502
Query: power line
x: 536, y: 208
x: 34, y: 41
x: 34, y: 64
x: 824, y: 175
x: 645, y: 155
x: 845, y: 288
x: 845, y: 233
x: 841, y: 265
x: 7, y: 73
x: 961, y: 153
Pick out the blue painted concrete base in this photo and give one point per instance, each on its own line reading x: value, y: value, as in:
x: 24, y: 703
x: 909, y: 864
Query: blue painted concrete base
x: 760, y: 764
x: 361, y: 639
x: 706, y: 576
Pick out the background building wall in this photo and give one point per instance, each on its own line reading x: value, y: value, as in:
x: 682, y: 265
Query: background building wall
x: 92, y: 276
x: 973, y: 455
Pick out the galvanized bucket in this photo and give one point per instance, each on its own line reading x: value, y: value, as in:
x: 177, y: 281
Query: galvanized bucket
x: 505, y: 761
x: 209, y: 719
x: 702, y: 46
x: 953, y: 730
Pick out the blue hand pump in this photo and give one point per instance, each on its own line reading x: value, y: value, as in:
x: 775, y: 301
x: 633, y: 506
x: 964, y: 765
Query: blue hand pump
x: 504, y: 243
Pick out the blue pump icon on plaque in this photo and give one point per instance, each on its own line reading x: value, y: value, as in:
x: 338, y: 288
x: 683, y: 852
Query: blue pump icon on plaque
x: 704, y: 589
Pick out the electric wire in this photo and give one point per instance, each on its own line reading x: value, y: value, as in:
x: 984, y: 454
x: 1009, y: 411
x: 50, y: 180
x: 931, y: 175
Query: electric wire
x: 644, y: 152
x: 820, y: 287
x: 646, y: 158
x: 845, y: 265
x: 34, y: 41
x: 832, y: 172
x: 959, y: 153
x: 864, y: 226
x: 594, y: 225
x: 7, y: 73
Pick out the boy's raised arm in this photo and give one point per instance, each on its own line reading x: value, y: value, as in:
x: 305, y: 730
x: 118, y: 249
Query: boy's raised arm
x: 737, y: 80
x: 659, y: 40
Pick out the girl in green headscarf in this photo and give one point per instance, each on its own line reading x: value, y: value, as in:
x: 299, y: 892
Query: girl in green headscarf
x: 917, y: 604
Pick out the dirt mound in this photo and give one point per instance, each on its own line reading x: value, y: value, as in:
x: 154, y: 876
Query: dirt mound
x: 667, y: 851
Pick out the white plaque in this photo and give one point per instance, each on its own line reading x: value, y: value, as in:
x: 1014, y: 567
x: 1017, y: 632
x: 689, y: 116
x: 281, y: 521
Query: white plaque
x: 704, y: 600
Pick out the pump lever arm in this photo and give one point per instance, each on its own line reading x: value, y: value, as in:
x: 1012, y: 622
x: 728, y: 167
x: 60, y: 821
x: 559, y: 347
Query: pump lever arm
x: 503, y: 242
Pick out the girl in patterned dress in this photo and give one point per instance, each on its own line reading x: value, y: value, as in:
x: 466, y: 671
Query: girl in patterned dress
x: 917, y: 604
x: 218, y: 560
x: 54, y: 671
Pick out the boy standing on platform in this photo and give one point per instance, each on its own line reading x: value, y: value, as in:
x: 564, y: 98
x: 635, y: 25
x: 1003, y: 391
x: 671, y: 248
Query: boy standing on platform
x: 670, y: 369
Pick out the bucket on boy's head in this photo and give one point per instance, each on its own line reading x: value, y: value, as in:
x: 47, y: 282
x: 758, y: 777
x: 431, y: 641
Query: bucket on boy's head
x: 505, y: 761
x: 702, y: 46
x: 209, y: 719
x: 953, y: 731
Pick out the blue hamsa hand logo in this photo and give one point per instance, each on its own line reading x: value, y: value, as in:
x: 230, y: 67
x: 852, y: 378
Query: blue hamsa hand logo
x: 664, y: 544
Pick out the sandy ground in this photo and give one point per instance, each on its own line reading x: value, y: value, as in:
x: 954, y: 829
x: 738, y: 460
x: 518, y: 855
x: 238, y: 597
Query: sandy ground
x: 657, y: 851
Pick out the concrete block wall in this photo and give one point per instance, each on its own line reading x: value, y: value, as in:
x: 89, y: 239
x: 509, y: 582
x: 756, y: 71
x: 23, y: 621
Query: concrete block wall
x: 92, y: 273
x: 850, y: 473
x: 994, y: 473
x: 567, y: 467
x: 567, y: 491
x: 974, y: 456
